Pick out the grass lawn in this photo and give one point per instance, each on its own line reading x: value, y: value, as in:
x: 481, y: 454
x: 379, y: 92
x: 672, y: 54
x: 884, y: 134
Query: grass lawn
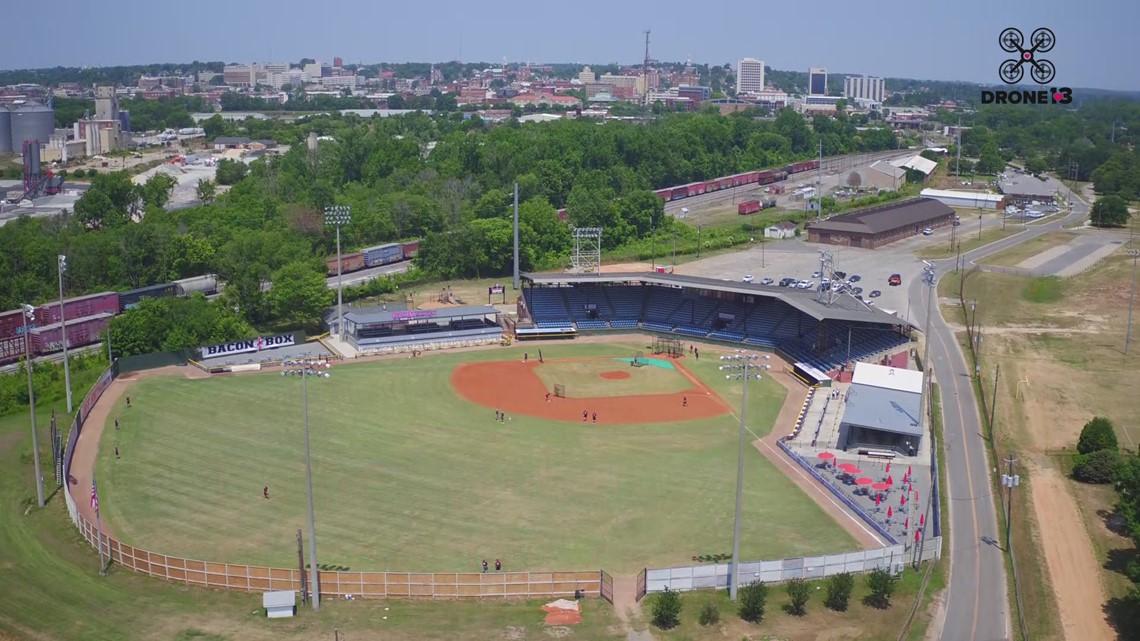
x: 584, y: 378
x: 968, y: 239
x: 1014, y: 256
x: 408, y: 476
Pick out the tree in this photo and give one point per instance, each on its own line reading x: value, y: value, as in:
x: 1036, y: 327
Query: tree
x: 1110, y: 211
x: 798, y: 594
x: 710, y: 614
x: 882, y: 586
x: 1097, y: 467
x: 839, y: 589
x: 300, y: 294
x: 667, y: 609
x: 1098, y: 434
x: 229, y: 172
x: 207, y: 191
x: 753, y: 600
x: 156, y: 191
x: 854, y: 179
x: 1036, y: 165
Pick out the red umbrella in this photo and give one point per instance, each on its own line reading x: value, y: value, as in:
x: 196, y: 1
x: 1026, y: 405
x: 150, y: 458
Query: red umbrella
x: 902, y: 500
x: 888, y: 467
x: 890, y: 512
x: 908, y: 471
x: 881, y: 486
x: 922, y: 519
x: 916, y: 495
x: 878, y: 499
x: 826, y: 456
x: 850, y: 468
x: 917, y: 535
x: 890, y: 480
x: 907, y: 524
x: 863, y: 481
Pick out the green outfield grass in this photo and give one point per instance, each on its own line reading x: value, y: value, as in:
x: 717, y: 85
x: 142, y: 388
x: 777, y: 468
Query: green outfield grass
x: 583, y: 378
x: 408, y: 476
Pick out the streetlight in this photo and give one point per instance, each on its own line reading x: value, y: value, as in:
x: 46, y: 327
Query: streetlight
x: 307, y: 369
x: 1134, y: 253
x: 30, y: 315
x: 338, y: 216
x: 63, y: 330
x: 745, y: 377
x: 930, y: 280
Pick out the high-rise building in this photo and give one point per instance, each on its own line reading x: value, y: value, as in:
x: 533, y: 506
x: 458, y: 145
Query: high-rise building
x: 817, y: 81
x: 864, y: 87
x: 587, y: 76
x: 749, y: 76
x: 337, y: 62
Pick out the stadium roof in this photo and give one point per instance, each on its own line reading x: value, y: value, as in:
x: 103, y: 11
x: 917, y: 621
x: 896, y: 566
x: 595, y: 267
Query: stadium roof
x: 376, y: 315
x: 962, y: 194
x: 886, y: 217
x: 917, y: 163
x: 843, y: 307
x: 882, y: 409
x: 893, y: 378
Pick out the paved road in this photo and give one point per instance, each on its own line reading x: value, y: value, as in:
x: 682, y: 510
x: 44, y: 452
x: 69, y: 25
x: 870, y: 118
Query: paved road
x: 976, y: 605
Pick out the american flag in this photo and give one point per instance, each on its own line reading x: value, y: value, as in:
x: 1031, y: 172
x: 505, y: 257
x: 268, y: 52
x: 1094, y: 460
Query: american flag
x: 94, y: 496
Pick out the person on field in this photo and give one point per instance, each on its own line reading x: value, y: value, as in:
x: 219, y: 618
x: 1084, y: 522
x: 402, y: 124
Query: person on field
x: 265, y: 492
x: 595, y: 417
x: 548, y: 397
x: 116, y: 451
x: 484, y: 566
x: 116, y: 423
x: 525, y: 357
x: 684, y: 401
x: 128, y: 401
x: 585, y: 415
x: 498, y: 565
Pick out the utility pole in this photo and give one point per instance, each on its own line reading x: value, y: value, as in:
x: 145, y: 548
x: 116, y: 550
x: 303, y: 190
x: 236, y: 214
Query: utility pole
x: 30, y: 314
x: 993, y: 401
x: 930, y: 280
x: 301, y: 565
x: 1009, y: 481
x: 819, y: 186
x: 1134, y: 253
x: 517, y: 235
x: 979, y: 226
x: 698, y: 241
x: 958, y: 163
x: 63, y: 331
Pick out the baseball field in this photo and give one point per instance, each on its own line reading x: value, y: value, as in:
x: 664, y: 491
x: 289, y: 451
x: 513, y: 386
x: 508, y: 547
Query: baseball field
x: 413, y: 472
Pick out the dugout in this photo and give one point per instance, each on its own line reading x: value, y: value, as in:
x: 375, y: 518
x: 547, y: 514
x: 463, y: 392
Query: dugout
x: 377, y: 326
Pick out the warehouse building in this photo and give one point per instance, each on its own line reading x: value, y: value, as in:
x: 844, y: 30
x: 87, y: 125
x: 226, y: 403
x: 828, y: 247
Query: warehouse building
x: 882, y: 410
x: 964, y: 199
x: 1022, y: 189
x: 878, y: 226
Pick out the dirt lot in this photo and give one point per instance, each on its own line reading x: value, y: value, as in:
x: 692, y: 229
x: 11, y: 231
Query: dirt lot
x: 1061, y: 364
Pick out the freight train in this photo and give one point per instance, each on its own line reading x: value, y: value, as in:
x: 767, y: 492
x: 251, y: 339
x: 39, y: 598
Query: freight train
x: 374, y: 257
x: 766, y: 177
x: 87, y: 317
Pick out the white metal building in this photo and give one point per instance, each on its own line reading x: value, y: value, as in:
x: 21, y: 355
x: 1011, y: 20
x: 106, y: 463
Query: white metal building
x: 749, y: 76
x: 964, y: 199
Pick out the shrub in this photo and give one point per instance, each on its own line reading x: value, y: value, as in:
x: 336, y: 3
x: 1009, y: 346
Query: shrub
x: 1098, y: 434
x: 1098, y: 467
x: 882, y: 586
x: 798, y: 592
x: 710, y: 614
x: 839, y: 589
x: 753, y: 599
x: 667, y: 609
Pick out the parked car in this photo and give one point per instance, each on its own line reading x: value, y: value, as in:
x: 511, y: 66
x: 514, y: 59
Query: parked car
x: 854, y: 278
x: 857, y: 290
x: 841, y: 274
x: 876, y: 293
x: 895, y: 280
x: 928, y: 232
x: 816, y: 274
x: 766, y: 281
x: 747, y: 278
x: 787, y: 282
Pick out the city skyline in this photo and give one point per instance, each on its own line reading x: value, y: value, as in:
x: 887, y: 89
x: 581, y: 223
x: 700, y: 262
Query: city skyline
x: 845, y: 41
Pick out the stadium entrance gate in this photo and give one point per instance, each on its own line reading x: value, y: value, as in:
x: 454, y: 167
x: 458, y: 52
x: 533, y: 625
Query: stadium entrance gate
x: 607, y: 590
x: 641, y: 585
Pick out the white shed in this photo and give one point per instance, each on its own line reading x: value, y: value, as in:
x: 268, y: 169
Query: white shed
x: 782, y: 229
x: 279, y: 604
x: 963, y: 198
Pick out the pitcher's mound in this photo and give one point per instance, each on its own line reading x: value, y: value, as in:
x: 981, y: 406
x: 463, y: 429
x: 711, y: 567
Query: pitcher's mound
x: 615, y: 375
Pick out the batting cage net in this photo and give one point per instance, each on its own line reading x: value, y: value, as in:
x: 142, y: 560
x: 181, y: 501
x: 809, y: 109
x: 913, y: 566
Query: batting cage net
x: 669, y: 346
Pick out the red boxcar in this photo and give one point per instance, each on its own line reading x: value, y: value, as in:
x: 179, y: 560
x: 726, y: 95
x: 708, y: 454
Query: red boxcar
x: 410, y: 249
x: 748, y: 207
x: 678, y: 193
x: 348, y: 263
x: 79, y: 308
x: 83, y: 331
x: 12, y: 323
x: 665, y: 194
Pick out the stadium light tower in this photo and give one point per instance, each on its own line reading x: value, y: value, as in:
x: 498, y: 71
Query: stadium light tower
x: 745, y: 376
x: 30, y: 315
x: 1135, y: 254
x: 930, y: 280
x: 338, y: 216
x: 305, y: 369
x: 63, y: 330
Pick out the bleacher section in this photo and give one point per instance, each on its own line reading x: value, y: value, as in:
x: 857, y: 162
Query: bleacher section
x: 766, y: 323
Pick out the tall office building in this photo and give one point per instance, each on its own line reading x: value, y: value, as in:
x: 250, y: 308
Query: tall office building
x: 749, y: 76
x: 817, y: 81
x: 864, y: 87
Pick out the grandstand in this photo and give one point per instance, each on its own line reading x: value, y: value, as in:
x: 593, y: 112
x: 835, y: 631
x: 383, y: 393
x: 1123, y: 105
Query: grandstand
x: 380, y: 329
x: 815, y: 334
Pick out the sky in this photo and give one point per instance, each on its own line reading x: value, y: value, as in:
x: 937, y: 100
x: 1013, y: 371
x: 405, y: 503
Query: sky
x: 940, y: 40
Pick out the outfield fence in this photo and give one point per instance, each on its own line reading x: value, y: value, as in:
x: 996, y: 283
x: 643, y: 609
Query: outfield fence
x: 252, y: 578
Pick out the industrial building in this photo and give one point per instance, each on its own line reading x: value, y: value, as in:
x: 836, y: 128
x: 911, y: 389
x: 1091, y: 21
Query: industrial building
x: 964, y: 199
x: 749, y: 76
x: 24, y: 122
x: 882, y: 175
x: 817, y: 81
x: 883, y: 410
x: 864, y: 88
x: 924, y: 166
x: 878, y: 226
x: 1022, y: 189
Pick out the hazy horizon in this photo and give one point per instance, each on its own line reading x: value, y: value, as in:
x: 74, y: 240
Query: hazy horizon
x: 1094, y: 43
